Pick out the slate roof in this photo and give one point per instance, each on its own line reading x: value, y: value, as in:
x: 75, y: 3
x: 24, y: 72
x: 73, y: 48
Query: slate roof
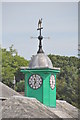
x: 6, y: 92
x: 23, y: 107
x: 65, y: 110
x: 17, y: 106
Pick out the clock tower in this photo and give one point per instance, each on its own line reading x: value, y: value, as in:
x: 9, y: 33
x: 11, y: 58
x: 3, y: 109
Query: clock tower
x: 40, y: 76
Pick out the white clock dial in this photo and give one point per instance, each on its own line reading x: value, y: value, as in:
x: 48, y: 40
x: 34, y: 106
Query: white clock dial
x: 35, y: 81
x: 52, y: 82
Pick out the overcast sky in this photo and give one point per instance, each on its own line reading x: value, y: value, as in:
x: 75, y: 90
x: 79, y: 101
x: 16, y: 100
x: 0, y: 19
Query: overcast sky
x: 60, y: 23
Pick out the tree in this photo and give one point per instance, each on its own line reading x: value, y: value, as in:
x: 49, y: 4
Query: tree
x: 67, y: 83
x: 11, y: 65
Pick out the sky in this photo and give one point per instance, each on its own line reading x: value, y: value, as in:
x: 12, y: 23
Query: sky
x: 60, y: 23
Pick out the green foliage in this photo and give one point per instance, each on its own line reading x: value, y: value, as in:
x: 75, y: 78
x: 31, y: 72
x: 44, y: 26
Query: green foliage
x: 11, y: 63
x: 67, y: 82
x: 20, y: 86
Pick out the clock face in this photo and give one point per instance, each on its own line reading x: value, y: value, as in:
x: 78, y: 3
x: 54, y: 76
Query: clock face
x: 35, y: 81
x: 52, y: 82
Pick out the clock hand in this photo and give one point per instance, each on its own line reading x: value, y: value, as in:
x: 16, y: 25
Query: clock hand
x: 34, y: 82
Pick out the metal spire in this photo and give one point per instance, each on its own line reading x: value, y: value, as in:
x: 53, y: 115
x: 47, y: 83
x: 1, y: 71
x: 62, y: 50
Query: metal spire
x: 40, y: 37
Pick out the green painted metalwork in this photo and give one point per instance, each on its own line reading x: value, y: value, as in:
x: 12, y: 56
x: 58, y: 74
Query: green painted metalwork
x: 44, y: 94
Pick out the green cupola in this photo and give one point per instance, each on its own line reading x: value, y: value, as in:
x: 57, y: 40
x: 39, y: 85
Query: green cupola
x: 40, y: 76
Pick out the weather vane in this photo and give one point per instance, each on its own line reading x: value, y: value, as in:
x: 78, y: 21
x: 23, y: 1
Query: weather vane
x: 40, y: 37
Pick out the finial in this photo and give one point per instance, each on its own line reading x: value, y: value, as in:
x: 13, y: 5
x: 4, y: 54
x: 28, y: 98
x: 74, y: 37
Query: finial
x: 40, y: 37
